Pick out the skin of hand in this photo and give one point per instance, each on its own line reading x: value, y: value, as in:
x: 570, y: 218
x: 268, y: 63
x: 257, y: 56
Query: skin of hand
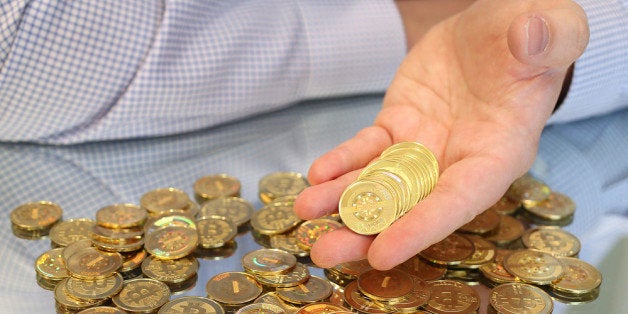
x: 476, y: 90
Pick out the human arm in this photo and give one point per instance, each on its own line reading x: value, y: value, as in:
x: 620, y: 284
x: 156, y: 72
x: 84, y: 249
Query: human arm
x: 477, y: 91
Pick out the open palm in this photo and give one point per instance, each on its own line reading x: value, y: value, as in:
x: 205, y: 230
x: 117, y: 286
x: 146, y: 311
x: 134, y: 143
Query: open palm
x: 477, y: 90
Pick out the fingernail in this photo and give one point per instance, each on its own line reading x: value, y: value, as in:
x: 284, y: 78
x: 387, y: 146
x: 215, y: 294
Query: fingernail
x: 538, y: 35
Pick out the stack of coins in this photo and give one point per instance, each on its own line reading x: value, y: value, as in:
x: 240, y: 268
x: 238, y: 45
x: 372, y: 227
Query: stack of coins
x: 34, y: 220
x: 388, y: 188
x: 278, y: 184
x: 166, y: 201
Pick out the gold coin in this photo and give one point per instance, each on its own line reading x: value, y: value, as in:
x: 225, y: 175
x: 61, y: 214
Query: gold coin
x: 268, y: 262
x: 171, y: 271
x: 94, y: 289
x: 74, y: 247
x: 528, y: 190
x: 91, y: 263
x: 278, y: 184
x: 260, y: 308
x: 273, y: 298
x: 323, y: 308
x: 359, y: 302
x: 102, y: 310
x: 385, y: 285
x: 484, y: 253
x: 509, y: 230
x: 418, y: 267
x: 164, y: 199
x: 553, y: 240
x: 353, y: 269
x: 495, y: 271
x: 579, y: 277
x: 288, y: 242
x: 63, y: 298
x: 418, y: 296
x: 367, y: 207
x: 518, y: 298
x: 298, y: 275
x: 216, y: 186
x: 142, y: 295
x: 66, y: 232
x: 275, y: 218
x: 36, y: 215
x: 169, y: 220
x: 50, y: 265
x: 215, y: 231
x: 506, y: 206
x: 132, y: 260
x: 121, y: 216
x: 483, y: 223
x: 191, y: 304
x: 533, y: 267
x: 237, y: 209
x: 171, y: 242
x: 117, y: 236
x: 452, y: 296
x: 452, y: 250
x: 233, y: 288
x: 309, y: 231
x: 315, y: 289
x: 556, y: 206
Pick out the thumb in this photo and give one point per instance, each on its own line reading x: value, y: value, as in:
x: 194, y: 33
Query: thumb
x: 552, y: 38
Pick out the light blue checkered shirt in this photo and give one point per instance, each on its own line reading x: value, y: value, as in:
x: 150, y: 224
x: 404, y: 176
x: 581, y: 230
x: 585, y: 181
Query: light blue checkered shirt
x: 159, y: 93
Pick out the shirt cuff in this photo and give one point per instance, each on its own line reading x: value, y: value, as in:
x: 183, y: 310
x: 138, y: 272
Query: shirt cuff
x: 599, y: 82
x: 355, y: 46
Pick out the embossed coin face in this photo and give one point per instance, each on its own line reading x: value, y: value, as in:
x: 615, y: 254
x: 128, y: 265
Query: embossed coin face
x: 191, y: 304
x: 450, y: 251
x: 260, y: 308
x: 288, y: 243
x: 170, y: 271
x: 273, y: 298
x: 102, y: 310
x: 419, y: 295
x: 215, y: 231
x: 528, y: 190
x: 36, y: 215
x: 68, y: 231
x: 495, y: 271
x: 354, y: 268
x: 50, y: 265
x: 171, y: 242
x: 142, y: 295
x: 484, y: 253
x: 91, y: 263
x: 315, y: 289
x: 275, y: 218
x: 121, y: 216
x: 236, y: 209
x: 579, y: 277
x: 268, y: 262
x: 215, y: 186
x: 164, y: 199
x: 309, y: 231
x: 557, y: 206
x: 62, y: 297
x: 520, y: 298
x: 509, y: 230
x: 452, y: 296
x: 233, y: 288
x: 555, y: 241
x: 367, y: 207
x: 95, y: 289
x: 280, y: 184
x: 533, y: 266
x: 393, y: 284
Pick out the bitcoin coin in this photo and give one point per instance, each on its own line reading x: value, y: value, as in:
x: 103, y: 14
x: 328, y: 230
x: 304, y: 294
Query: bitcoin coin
x: 142, y: 295
x: 216, y: 186
x: 520, y: 298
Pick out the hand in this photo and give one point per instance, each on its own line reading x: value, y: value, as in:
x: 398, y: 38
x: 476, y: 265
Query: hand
x: 477, y: 90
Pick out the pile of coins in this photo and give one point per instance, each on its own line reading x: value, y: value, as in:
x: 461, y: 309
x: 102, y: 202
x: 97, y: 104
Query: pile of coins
x: 388, y: 188
x: 501, y: 249
x: 136, y: 258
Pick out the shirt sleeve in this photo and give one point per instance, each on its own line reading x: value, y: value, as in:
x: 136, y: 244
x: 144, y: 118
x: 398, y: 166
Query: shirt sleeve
x: 600, y: 79
x: 76, y: 73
